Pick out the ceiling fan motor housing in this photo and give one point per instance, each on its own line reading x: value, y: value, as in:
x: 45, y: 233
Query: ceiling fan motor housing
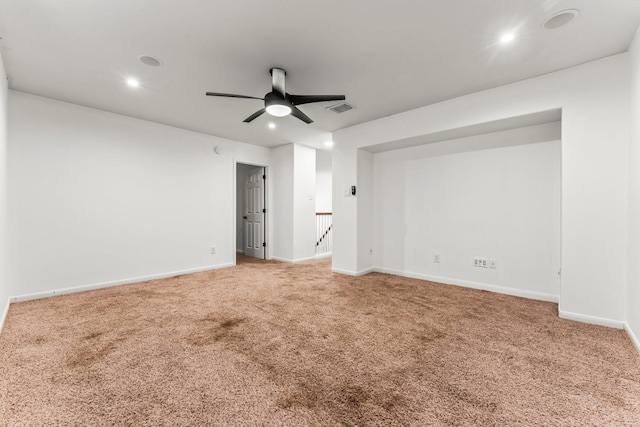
x: 277, y: 105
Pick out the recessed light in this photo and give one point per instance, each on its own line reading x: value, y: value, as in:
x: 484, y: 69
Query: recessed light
x: 507, y: 38
x: 272, y: 125
x: 560, y: 19
x: 131, y: 82
x: 328, y: 143
x: 151, y: 61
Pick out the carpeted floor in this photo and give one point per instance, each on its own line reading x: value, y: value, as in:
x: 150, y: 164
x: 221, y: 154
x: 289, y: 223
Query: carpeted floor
x: 266, y: 343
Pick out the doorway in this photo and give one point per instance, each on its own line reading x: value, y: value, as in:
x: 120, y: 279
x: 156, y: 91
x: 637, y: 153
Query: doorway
x: 251, y: 239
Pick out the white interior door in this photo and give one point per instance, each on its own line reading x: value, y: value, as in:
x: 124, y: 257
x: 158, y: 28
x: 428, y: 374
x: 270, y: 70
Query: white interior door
x: 254, y: 213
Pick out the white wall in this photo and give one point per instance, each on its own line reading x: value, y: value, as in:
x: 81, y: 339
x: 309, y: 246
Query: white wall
x: 594, y: 99
x: 324, y: 179
x: 633, y: 297
x: 501, y: 203
x: 98, y: 198
x: 4, y: 255
x: 294, y: 187
x: 345, y: 220
x: 366, y: 211
x: 282, y: 184
x: 304, y: 202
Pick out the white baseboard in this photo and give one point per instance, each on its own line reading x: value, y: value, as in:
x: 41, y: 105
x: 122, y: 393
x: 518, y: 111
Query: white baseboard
x: 632, y: 335
x: 365, y: 271
x: 594, y: 320
x: 109, y: 284
x: 5, y: 311
x: 322, y: 256
x: 474, y: 285
x: 353, y: 273
x: 293, y: 261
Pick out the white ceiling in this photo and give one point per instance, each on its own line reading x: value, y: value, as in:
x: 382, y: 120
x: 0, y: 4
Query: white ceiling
x: 385, y: 56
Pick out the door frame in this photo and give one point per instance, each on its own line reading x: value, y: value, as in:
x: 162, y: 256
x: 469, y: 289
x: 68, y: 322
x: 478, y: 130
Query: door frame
x: 267, y: 205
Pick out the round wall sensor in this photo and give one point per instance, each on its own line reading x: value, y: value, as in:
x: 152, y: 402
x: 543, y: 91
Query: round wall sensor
x: 560, y: 19
x: 218, y: 150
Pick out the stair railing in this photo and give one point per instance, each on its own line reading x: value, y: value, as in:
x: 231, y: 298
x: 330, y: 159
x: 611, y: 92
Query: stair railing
x: 324, y: 235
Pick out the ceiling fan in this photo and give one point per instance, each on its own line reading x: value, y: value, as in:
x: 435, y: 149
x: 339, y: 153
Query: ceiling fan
x: 278, y: 102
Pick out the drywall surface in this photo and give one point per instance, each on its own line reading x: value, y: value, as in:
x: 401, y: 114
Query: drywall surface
x: 324, y: 179
x: 304, y: 202
x: 99, y: 198
x: 595, y: 131
x: 345, y: 220
x: 4, y: 253
x: 633, y: 292
x: 294, y: 187
x: 436, y: 211
x: 366, y: 211
x: 281, y: 178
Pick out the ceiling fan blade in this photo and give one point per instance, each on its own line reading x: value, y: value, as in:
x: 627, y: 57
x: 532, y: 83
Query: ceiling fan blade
x: 295, y: 112
x: 254, y: 116
x: 307, y: 99
x: 231, y: 95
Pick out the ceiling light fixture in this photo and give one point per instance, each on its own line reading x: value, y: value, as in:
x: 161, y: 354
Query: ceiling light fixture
x: 151, y: 61
x: 279, y: 110
x: 278, y: 102
x: 272, y: 125
x: 328, y: 143
x: 507, y: 38
x: 276, y: 105
x: 560, y: 19
x: 131, y: 82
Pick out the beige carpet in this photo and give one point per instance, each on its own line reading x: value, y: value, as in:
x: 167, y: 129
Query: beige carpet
x: 266, y: 343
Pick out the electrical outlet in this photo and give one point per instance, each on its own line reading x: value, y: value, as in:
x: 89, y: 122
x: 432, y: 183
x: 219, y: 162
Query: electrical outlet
x: 213, y: 250
x: 480, y: 262
x: 436, y: 258
x: 492, y: 263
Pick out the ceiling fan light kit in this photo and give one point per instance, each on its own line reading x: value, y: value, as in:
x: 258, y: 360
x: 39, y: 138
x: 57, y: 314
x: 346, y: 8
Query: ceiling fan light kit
x: 278, y: 102
x: 278, y: 110
x: 276, y: 105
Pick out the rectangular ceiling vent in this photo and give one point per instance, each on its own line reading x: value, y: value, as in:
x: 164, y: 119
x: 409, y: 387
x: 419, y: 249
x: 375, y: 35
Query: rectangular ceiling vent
x: 340, y: 108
